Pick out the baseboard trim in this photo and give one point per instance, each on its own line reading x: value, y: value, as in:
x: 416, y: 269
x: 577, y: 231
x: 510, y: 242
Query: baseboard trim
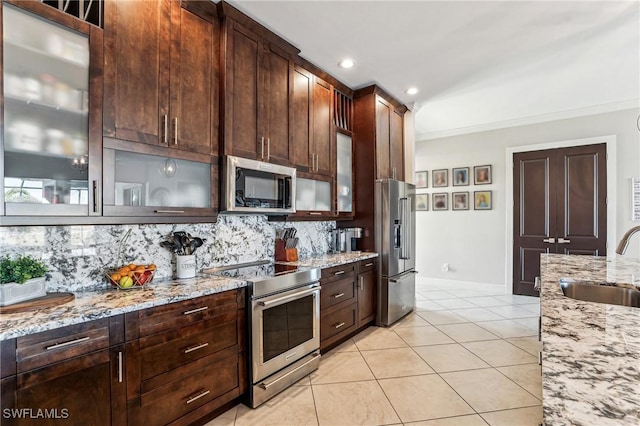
x: 467, y: 285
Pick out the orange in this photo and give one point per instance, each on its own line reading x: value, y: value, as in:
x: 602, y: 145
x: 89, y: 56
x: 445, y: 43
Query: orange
x: 151, y: 267
x: 123, y: 271
x: 131, y: 266
x: 115, y: 277
x: 140, y: 268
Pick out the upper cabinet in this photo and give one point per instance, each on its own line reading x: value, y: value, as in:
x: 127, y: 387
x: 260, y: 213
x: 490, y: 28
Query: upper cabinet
x: 161, y: 73
x: 313, y: 147
x: 380, y: 119
x: 51, y: 115
x: 257, y: 93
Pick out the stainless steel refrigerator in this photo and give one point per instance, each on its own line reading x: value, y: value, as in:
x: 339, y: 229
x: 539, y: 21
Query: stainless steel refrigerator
x: 395, y: 216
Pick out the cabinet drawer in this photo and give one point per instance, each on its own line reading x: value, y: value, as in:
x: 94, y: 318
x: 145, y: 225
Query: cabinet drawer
x: 337, y: 272
x: 166, y: 403
x: 340, y: 321
x: 52, y: 346
x: 177, y: 315
x: 163, y: 352
x: 337, y: 291
x: 367, y: 265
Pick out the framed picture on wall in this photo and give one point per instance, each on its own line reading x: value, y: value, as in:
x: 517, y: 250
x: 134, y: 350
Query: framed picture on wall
x: 460, y: 201
x: 482, y: 200
x: 422, y: 202
x: 422, y: 179
x: 482, y: 175
x: 439, y: 178
x: 460, y: 176
x: 441, y: 201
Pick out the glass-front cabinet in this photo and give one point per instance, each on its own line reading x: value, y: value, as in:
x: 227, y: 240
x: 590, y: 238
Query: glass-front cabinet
x: 50, y: 163
x: 313, y: 196
x: 344, y: 174
x: 142, y: 184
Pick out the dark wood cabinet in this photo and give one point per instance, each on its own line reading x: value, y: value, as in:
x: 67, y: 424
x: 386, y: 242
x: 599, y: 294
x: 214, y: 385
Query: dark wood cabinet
x: 367, y: 292
x: 258, y: 82
x: 170, y: 97
x: 185, y: 359
x: 313, y: 147
x: 396, y: 144
x: 71, y: 374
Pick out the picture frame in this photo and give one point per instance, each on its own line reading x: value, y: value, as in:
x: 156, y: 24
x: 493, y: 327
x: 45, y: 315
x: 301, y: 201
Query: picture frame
x: 422, y: 179
x: 460, y: 201
x: 422, y: 202
x: 482, y: 175
x: 440, y: 178
x: 460, y: 176
x: 482, y: 200
x: 440, y: 201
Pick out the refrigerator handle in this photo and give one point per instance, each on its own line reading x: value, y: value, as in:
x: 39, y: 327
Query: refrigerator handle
x: 408, y: 227
x: 405, y: 252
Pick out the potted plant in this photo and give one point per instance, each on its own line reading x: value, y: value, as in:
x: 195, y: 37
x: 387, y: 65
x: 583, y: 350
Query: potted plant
x: 21, y: 279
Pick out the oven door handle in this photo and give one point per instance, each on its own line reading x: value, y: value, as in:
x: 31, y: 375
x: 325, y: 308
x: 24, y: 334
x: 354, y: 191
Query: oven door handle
x: 266, y: 386
x: 293, y: 296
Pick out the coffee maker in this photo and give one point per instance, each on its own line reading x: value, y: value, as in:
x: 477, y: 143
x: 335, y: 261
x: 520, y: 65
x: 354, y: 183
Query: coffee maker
x: 344, y: 240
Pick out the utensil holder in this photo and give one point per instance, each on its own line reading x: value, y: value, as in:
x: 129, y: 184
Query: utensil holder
x: 186, y: 266
x: 284, y: 254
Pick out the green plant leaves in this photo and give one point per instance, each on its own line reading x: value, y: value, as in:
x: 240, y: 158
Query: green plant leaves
x: 21, y: 269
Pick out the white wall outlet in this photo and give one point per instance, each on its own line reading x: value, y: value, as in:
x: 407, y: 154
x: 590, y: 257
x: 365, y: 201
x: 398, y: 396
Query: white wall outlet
x: 445, y: 267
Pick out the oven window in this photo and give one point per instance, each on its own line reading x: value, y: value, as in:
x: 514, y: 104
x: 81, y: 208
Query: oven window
x: 286, y: 326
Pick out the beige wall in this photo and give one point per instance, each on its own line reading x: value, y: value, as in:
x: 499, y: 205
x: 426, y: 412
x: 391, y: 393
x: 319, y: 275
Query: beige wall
x: 473, y: 242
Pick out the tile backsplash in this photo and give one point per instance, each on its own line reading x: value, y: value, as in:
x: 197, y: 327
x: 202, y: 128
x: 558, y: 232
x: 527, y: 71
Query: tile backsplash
x: 76, y: 256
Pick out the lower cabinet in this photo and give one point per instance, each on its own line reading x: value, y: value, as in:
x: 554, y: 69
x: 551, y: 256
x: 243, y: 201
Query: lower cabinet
x: 172, y: 364
x: 185, y: 359
x: 347, y: 301
x: 71, y: 375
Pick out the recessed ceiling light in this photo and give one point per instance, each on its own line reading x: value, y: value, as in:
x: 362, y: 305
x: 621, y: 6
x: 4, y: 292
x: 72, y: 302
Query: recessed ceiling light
x: 346, y: 63
x: 411, y: 91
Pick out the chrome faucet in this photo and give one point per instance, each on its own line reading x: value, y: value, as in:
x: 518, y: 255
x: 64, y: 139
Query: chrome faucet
x: 624, y: 242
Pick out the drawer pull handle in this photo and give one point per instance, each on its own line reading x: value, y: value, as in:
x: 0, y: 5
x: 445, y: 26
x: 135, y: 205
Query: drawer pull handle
x: 195, y: 348
x: 339, y: 325
x: 361, y: 284
x: 315, y: 213
x: 120, y: 367
x: 69, y: 343
x: 368, y: 264
x: 338, y: 296
x: 193, y: 311
x: 197, y: 397
x: 169, y: 211
x: 339, y: 273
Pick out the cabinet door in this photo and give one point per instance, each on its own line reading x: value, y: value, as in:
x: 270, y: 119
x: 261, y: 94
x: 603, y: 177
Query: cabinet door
x: 396, y: 147
x: 323, y: 141
x: 383, y: 114
x: 301, y: 156
x: 193, y: 92
x: 366, y: 297
x: 278, y: 92
x: 242, y: 62
x: 136, y: 90
x: 78, y: 389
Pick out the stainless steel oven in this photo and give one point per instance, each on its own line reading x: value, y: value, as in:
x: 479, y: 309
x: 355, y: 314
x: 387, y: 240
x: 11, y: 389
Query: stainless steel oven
x: 284, y: 325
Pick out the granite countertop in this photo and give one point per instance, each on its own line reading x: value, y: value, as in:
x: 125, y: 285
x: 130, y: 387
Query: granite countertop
x: 591, y: 351
x: 93, y: 305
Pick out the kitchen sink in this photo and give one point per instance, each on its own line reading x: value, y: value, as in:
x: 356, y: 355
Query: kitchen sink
x: 594, y: 292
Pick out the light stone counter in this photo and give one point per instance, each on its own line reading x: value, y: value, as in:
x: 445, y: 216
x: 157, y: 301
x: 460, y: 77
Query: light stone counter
x: 591, y: 351
x: 91, y: 305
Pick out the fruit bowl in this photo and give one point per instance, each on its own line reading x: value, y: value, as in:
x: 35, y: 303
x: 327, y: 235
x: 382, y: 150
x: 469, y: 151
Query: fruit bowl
x: 131, y: 276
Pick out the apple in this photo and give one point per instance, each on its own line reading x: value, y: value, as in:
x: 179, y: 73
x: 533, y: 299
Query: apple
x: 126, y: 282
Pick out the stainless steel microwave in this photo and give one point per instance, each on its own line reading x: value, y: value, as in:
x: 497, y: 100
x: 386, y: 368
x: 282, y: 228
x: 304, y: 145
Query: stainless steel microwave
x: 252, y: 186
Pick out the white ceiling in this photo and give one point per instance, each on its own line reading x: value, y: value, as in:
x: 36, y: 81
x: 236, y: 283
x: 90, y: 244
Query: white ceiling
x: 478, y: 64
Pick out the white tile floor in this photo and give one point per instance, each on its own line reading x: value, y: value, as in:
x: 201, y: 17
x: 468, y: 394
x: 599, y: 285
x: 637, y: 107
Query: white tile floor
x: 465, y: 357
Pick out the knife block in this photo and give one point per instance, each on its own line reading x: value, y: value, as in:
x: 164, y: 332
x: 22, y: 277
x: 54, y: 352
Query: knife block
x: 284, y: 254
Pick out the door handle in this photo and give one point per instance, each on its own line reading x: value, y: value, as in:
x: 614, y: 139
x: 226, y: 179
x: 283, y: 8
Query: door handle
x: 262, y: 148
x: 165, y: 129
x: 563, y: 241
x: 268, y: 148
x: 175, y: 131
x: 549, y: 240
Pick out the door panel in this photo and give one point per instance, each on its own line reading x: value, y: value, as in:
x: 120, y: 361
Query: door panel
x: 300, y: 155
x: 241, y: 137
x: 582, y: 209
x: 561, y: 195
x: 396, y: 145
x: 277, y: 99
x: 383, y: 112
x: 322, y: 119
x: 534, y: 202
